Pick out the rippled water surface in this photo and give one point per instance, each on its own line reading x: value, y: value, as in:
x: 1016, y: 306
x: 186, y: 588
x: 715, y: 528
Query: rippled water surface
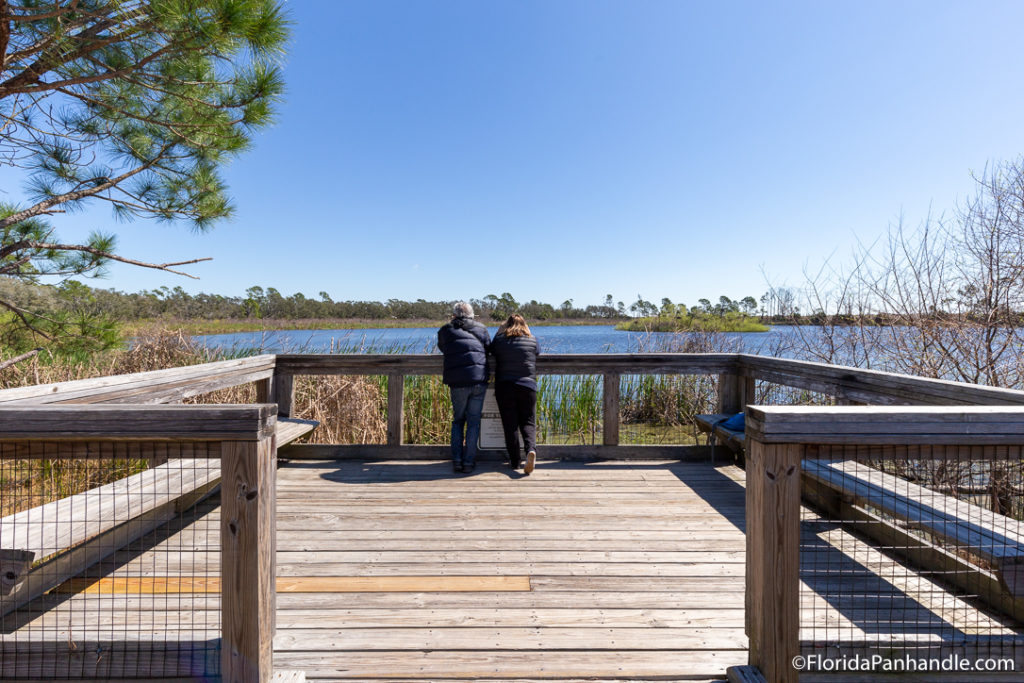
x: 553, y: 339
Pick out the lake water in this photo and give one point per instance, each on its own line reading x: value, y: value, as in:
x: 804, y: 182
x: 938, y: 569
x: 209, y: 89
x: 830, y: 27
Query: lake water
x: 553, y: 339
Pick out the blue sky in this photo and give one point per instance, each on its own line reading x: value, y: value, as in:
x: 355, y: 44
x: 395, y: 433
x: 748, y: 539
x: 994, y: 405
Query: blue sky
x: 563, y: 149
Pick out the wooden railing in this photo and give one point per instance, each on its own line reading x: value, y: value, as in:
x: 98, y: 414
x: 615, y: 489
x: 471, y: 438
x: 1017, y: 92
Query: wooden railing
x: 244, y: 441
x: 242, y: 437
x: 611, y: 367
x: 780, y: 438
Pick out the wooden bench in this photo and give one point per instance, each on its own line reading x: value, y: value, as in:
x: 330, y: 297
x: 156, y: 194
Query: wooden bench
x: 976, y: 549
x: 894, y: 512
x: 730, y: 438
x: 73, y: 533
x: 289, y: 429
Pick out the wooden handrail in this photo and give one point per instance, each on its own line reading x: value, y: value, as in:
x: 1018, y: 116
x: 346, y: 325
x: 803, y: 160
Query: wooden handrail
x: 872, y: 386
x: 397, y: 366
x: 243, y: 436
x: 156, y: 386
x: 150, y: 423
x: 887, y: 425
x: 780, y: 438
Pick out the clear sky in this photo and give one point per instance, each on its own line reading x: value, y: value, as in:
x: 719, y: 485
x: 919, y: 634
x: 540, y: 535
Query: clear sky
x: 565, y: 149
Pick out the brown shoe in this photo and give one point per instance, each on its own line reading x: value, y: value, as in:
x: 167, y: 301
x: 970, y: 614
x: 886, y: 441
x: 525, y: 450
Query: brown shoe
x: 531, y: 462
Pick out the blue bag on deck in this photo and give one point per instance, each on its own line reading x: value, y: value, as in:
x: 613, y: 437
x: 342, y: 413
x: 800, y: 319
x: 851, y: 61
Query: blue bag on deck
x: 736, y: 423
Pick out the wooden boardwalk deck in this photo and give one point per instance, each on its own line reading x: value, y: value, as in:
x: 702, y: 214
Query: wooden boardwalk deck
x: 402, y: 570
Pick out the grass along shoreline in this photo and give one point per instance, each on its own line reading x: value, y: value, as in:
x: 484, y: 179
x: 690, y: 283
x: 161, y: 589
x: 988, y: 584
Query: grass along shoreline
x: 694, y: 323
x: 350, y: 409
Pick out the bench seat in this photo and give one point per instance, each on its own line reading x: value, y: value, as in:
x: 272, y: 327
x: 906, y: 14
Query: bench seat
x: 995, y: 539
x: 128, y: 508
x: 289, y: 429
x: 730, y: 438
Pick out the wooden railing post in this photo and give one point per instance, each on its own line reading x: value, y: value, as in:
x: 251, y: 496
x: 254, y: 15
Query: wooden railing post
x: 734, y: 392
x: 264, y: 390
x: 282, y: 392
x: 396, y: 408
x: 611, y: 408
x: 248, y: 549
x: 773, y: 558
x: 748, y: 391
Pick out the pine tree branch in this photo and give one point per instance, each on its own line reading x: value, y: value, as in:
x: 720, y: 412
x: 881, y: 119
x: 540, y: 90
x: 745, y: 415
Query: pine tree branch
x: 20, y: 312
x: 88, y: 42
x: 17, y: 359
x: 84, y: 248
x: 44, y: 206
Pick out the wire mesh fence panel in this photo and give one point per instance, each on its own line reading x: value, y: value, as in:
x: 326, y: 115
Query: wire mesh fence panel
x: 110, y: 555
x: 911, y: 555
x: 770, y: 393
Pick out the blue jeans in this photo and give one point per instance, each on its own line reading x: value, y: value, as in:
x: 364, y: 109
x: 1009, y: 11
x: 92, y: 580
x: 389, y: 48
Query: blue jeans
x: 467, y: 404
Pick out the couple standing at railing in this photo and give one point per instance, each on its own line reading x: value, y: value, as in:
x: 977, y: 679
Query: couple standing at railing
x: 466, y: 346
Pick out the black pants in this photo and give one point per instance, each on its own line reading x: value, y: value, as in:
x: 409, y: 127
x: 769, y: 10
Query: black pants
x: 518, y: 408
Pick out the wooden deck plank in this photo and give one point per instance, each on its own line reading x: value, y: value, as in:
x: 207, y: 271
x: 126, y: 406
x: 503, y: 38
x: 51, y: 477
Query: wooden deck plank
x: 623, y: 571
x: 462, y: 665
x: 300, y: 584
x: 475, y: 638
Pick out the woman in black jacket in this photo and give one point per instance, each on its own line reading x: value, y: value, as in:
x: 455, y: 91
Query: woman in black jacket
x: 515, y: 353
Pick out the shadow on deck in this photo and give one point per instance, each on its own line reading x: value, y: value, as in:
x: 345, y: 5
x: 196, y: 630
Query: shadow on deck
x: 596, y: 570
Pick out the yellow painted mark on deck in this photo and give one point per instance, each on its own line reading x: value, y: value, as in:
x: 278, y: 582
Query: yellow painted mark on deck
x: 302, y: 584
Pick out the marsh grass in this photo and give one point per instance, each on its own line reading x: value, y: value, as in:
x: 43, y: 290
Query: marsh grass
x: 353, y: 409
x: 569, y: 409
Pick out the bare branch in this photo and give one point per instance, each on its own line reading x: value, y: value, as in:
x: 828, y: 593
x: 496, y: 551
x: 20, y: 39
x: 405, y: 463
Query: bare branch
x: 169, y: 267
x: 17, y: 359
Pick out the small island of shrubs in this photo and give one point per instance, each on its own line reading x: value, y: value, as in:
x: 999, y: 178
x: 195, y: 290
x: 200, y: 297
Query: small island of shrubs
x: 725, y: 316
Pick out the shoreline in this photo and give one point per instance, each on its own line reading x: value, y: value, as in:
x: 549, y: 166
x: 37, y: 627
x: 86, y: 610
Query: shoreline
x: 205, y: 327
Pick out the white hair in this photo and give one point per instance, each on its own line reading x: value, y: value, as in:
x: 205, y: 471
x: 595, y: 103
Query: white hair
x: 461, y: 309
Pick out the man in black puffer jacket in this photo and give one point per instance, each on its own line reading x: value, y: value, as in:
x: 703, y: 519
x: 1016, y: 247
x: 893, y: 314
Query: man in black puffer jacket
x: 464, y: 343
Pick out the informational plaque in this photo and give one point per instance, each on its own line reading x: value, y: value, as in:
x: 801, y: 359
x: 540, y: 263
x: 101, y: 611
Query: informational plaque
x: 492, y: 437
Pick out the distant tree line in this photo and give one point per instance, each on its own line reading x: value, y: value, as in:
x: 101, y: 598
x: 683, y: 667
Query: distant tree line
x: 89, y: 315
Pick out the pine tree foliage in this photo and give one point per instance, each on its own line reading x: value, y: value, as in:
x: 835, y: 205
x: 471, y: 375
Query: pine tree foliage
x: 137, y: 103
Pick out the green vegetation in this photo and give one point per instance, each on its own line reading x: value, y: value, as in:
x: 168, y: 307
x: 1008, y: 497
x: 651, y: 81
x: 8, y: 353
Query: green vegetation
x: 72, y: 317
x: 139, y: 105
x: 727, y: 315
x: 693, y: 323
x: 199, y: 327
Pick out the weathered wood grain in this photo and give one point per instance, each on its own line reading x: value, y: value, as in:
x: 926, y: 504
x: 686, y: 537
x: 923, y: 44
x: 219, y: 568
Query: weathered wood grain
x: 283, y: 385
x: 335, y: 583
x: 290, y: 429
x: 510, y: 638
x: 610, y: 415
x: 248, y: 551
x: 730, y: 393
x: 773, y: 552
x: 929, y: 425
x: 545, y: 452
x: 873, y: 386
x: 135, y: 422
x: 396, y: 409
x: 157, y: 386
x: 486, y: 664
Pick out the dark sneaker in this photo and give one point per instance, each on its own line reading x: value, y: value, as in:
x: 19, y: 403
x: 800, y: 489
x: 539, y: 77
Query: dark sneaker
x: 514, y: 465
x: 456, y: 466
x: 468, y: 467
x: 531, y: 462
